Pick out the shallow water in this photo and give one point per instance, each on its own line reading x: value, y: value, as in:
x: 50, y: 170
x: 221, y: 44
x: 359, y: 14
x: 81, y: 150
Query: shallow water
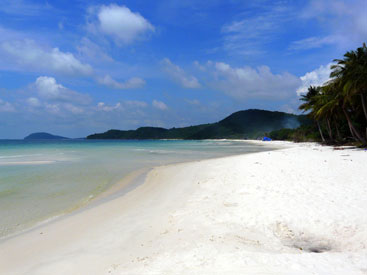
x: 42, y: 179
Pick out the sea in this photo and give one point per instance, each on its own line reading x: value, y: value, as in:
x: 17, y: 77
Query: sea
x: 41, y: 180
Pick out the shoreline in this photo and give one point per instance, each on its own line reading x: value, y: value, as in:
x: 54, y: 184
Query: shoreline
x: 126, y: 184
x: 224, y: 214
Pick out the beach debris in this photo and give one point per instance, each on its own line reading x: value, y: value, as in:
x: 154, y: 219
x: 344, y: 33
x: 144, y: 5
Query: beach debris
x: 301, y: 240
x: 164, y: 232
x: 229, y: 204
x: 321, y: 247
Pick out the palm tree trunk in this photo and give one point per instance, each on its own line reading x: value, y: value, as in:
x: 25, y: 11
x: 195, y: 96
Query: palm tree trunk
x: 337, y: 130
x: 352, y: 127
x: 364, y: 109
x: 364, y: 105
x: 322, y: 136
x: 329, y: 129
x: 351, y: 131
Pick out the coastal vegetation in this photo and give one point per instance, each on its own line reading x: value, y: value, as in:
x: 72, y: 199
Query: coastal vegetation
x: 247, y: 124
x: 338, y: 108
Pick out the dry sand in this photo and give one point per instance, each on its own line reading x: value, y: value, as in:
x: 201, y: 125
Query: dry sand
x: 298, y: 210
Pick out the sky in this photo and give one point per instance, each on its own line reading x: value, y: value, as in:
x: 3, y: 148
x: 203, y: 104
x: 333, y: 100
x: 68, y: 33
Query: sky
x: 74, y: 68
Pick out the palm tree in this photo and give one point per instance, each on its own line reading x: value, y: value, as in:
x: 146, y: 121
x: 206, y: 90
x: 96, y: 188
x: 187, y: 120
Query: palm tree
x: 332, y: 103
x: 343, y: 96
x: 326, y: 104
x: 352, y: 71
x: 310, y: 104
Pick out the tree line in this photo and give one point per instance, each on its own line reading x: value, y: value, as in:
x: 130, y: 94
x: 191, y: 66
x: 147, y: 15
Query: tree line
x: 338, y: 107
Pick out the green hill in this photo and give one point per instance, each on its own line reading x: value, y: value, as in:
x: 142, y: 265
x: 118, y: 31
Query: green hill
x: 249, y: 124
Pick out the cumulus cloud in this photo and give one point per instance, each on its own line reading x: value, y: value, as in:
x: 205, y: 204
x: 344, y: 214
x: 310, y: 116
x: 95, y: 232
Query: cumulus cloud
x: 124, y: 105
x: 53, y: 109
x: 159, y: 105
x: 73, y: 109
x: 179, y: 75
x: 28, y: 55
x: 131, y: 83
x: 55, y: 99
x: 6, y: 106
x: 63, y: 109
x: 49, y: 89
x: 101, y: 106
x: 247, y: 82
x: 315, y: 78
x: 119, y: 23
x: 199, y: 66
x: 34, y: 102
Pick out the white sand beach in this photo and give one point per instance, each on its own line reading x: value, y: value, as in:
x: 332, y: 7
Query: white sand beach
x: 298, y: 210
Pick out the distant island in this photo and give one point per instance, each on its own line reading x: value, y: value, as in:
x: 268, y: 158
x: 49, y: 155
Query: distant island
x: 43, y: 136
x: 247, y: 124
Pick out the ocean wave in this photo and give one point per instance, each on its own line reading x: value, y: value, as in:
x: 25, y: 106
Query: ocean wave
x: 21, y: 156
x: 34, y: 162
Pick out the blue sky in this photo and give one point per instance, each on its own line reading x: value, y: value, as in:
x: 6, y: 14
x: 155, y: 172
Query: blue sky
x: 77, y: 67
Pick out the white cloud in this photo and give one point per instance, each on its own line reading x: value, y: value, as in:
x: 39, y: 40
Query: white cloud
x: 314, y: 42
x: 101, y: 106
x: 120, y: 23
x: 33, y: 102
x: 199, y: 66
x: 247, y: 82
x: 244, y: 37
x: 51, y: 92
x: 344, y: 20
x: 73, y: 109
x: 159, y: 105
x: 48, y: 88
x: 179, y: 75
x: 315, y: 78
x: 52, y: 108
x: 6, y: 106
x: 28, y: 55
x: 56, y: 99
x: 248, y: 34
x: 125, y: 105
x: 92, y: 51
x: 131, y: 83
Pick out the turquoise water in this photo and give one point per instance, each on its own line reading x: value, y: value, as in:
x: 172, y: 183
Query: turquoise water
x: 42, y: 179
